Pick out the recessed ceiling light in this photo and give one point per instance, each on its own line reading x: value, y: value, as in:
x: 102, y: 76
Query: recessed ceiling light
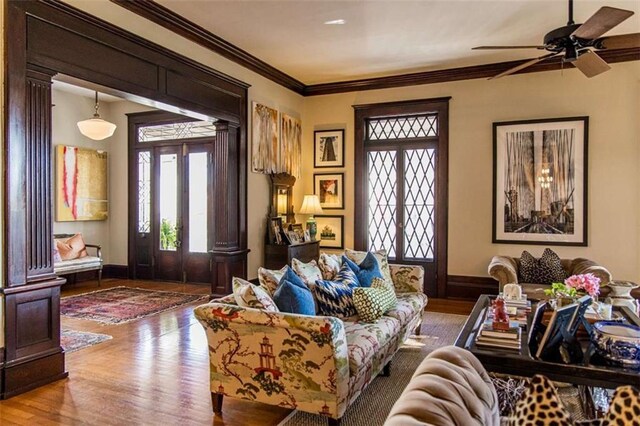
x: 336, y: 22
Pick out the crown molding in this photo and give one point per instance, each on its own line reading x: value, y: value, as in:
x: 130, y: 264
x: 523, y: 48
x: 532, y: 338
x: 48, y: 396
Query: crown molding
x: 456, y: 74
x: 166, y: 18
x: 170, y: 20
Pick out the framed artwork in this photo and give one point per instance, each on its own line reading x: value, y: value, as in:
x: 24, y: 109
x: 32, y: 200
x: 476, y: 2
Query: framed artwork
x: 328, y: 148
x: 329, y: 187
x: 265, y: 139
x: 330, y: 231
x: 81, y: 184
x: 540, y: 181
x: 290, y: 158
x: 275, y: 231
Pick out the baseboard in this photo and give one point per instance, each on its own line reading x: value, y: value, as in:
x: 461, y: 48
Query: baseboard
x: 468, y: 287
x: 25, y: 376
x: 115, y: 271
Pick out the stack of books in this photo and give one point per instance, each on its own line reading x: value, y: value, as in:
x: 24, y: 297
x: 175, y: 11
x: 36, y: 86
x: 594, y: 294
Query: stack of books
x: 503, y: 339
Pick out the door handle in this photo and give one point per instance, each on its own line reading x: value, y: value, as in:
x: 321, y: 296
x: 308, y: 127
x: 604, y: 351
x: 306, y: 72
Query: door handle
x: 178, y: 243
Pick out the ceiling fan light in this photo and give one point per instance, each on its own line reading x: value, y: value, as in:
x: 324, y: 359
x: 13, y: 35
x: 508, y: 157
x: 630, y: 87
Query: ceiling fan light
x: 96, y: 128
x: 571, y: 54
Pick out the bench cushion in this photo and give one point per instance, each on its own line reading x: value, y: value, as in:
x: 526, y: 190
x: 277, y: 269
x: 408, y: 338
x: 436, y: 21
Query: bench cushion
x: 76, y: 265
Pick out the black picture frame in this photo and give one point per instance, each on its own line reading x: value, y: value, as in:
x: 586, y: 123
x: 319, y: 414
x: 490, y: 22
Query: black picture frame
x: 318, y: 180
x: 540, y: 181
x: 321, y: 151
x: 321, y: 220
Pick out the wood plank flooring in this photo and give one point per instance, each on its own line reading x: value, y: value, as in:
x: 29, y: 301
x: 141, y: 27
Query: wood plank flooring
x: 155, y: 371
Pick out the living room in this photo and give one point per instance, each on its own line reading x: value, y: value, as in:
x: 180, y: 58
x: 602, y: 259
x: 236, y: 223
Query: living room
x: 609, y: 100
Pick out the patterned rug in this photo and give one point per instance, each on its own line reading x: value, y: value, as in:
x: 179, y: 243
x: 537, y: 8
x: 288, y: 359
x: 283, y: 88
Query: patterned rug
x: 374, y: 404
x: 120, y: 305
x: 72, y: 340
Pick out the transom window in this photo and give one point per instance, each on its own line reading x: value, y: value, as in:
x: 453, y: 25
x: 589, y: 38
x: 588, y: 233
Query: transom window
x: 173, y: 131
x: 408, y: 127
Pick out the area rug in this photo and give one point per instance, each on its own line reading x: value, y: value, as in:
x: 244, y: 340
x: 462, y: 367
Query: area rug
x: 72, y: 340
x: 374, y: 404
x: 119, y: 305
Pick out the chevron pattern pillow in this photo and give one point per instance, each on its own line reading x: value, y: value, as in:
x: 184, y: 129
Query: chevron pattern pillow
x: 334, y: 299
x: 372, y: 302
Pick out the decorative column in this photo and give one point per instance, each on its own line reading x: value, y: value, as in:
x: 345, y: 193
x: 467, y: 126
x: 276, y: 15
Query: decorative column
x: 228, y: 256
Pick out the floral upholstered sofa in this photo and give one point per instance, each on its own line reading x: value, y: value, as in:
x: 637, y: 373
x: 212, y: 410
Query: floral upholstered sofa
x: 317, y: 364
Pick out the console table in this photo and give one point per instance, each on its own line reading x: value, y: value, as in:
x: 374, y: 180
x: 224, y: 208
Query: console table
x: 278, y: 255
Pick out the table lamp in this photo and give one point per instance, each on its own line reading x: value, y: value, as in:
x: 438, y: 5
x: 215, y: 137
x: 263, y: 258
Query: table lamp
x: 311, y: 206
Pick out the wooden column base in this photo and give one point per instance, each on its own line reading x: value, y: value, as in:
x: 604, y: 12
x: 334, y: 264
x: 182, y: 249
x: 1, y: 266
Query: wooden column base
x: 25, y: 376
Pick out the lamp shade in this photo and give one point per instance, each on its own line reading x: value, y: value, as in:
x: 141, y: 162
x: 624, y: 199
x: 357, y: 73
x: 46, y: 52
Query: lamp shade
x: 96, y: 128
x: 311, y: 205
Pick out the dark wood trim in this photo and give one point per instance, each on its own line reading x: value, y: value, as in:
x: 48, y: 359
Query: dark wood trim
x: 170, y: 20
x: 184, y: 27
x: 23, y: 377
x: 115, y: 271
x: 455, y: 74
x: 438, y: 106
x: 469, y: 287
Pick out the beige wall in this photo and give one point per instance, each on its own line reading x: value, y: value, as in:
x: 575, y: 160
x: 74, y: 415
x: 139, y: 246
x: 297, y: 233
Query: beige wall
x: 261, y: 90
x: 611, y: 100
x: 69, y: 108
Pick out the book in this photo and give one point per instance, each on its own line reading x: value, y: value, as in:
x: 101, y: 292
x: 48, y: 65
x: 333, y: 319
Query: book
x: 511, y: 334
x: 498, y: 344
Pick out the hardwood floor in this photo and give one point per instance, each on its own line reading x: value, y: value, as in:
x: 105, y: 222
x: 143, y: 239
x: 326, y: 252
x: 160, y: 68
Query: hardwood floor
x: 154, y: 371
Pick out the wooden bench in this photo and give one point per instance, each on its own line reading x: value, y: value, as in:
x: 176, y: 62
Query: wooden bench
x: 83, y: 264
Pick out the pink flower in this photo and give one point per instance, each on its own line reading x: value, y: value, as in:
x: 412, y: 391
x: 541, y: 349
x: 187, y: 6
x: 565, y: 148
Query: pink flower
x: 588, y: 283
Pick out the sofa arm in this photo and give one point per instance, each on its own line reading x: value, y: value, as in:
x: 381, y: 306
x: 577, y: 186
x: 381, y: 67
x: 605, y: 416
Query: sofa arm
x: 407, y: 278
x: 585, y: 266
x: 504, y: 269
x: 277, y: 358
x: 98, y: 249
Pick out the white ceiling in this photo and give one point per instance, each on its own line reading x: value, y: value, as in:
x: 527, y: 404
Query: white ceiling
x: 385, y: 37
x: 81, y: 91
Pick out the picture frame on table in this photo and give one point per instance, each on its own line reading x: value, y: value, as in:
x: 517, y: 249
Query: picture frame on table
x: 329, y: 187
x: 328, y: 148
x: 540, y: 181
x: 307, y: 235
x: 275, y: 231
x: 294, y: 237
x: 330, y: 231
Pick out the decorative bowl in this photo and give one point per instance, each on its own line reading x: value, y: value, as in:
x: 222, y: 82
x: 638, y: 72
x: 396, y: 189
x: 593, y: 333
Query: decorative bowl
x: 617, y: 342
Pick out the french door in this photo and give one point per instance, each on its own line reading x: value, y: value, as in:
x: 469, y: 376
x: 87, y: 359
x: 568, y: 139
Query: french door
x: 401, y: 185
x: 171, y: 201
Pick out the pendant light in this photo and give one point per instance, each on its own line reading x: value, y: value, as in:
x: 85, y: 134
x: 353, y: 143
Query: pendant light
x: 96, y: 128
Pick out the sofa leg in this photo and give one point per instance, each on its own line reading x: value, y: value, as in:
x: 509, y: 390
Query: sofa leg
x: 99, y: 277
x: 216, y: 401
x: 418, y: 329
x: 386, y: 371
x: 334, y: 422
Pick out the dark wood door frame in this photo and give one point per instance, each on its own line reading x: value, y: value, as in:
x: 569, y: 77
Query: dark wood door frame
x: 42, y: 39
x: 411, y: 107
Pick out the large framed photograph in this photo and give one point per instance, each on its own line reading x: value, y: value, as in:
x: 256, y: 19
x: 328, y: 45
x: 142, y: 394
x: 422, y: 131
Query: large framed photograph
x: 330, y: 231
x: 328, y: 148
x: 540, y: 181
x: 329, y: 187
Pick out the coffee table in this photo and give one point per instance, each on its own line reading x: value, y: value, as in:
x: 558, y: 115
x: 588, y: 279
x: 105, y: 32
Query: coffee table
x: 593, y: 371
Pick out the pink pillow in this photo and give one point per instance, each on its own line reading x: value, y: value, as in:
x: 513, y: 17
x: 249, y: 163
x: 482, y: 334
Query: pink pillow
x: 73, y: 248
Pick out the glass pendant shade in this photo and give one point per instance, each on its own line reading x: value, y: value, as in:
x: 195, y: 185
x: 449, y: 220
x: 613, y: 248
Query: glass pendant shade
x: 96, y: 128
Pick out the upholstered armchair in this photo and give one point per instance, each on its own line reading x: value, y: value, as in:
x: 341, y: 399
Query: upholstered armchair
x: 504, y: 269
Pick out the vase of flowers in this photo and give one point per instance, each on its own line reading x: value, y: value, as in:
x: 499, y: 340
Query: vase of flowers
x: 573, y: 288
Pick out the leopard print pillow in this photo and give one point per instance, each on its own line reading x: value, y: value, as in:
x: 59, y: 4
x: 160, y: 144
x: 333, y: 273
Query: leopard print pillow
x: 546, y: 270
x: 624, y: 409
x: 540, y: 405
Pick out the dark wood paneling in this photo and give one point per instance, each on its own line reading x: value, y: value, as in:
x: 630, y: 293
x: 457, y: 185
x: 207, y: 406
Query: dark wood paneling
x: 39, y: 199
x: 468, y: 287
x: 455, y: 74
x: 115, y: 271
x: 189, y: 30
x: 225, y: 266
x: 33, y: 373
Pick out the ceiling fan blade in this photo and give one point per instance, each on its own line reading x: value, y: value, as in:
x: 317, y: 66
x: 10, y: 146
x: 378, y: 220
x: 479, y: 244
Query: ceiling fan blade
x: 506, y: 47
x: 623, y: 41
x: 591, y: 64
x: 601, y: 22
x: 524, y: 65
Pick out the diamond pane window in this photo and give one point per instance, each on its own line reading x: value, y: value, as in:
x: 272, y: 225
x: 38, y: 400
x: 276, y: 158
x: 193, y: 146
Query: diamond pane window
x: 382, y: 203
x: 172, y: 131
x: 408, y: 127
x: 144, y: 191
x: 419, y: 203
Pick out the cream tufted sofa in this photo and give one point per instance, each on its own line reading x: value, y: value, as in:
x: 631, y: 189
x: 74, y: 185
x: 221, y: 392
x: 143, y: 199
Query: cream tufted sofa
x: 449, y: 388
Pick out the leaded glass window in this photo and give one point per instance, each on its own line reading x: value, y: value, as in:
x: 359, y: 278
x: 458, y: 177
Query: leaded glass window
x: 382, y: 201
x: 144, y: 191
x: 172, y: 131
x: 408, y: 127
x: 419, y: 203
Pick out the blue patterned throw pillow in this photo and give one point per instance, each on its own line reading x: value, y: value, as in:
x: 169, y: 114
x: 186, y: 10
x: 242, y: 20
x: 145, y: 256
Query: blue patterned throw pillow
x: 366, y: 271
x: 293, y: 298
x: 334, y: 299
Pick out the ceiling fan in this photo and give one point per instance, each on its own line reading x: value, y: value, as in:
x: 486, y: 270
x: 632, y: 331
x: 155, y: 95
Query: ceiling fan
x: 576, y: 42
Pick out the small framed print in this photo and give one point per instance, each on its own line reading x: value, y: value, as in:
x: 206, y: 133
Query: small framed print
x: 329, y: 187
x: 328, y: 148
x: 330, y: 231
